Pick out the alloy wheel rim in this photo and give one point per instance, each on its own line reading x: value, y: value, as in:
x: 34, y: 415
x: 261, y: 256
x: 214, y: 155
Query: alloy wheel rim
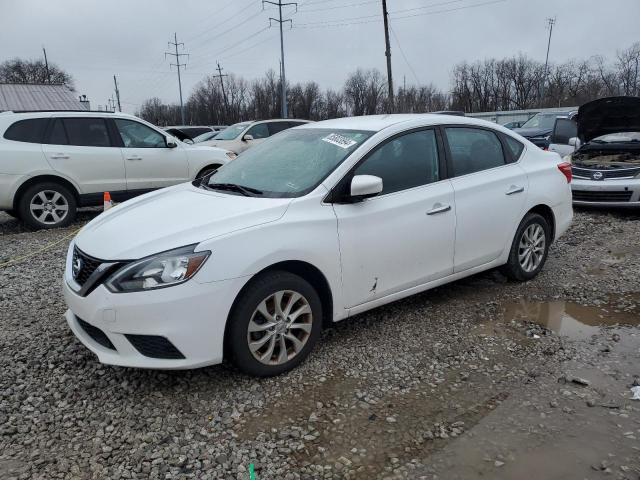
x: 49, y: 207
x: 532, y: 247
x: 280, y: 327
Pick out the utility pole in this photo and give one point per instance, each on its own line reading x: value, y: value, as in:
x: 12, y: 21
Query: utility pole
x: 46, y: 64
x: 178, y: 65
x: 385, y: 15
x: 283, y: 78
x: 551, y: 22
x: 224, y: 95
x: 115, y: 82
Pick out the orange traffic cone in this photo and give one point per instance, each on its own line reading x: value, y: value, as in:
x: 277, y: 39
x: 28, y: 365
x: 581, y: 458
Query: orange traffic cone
x: 107, y: 202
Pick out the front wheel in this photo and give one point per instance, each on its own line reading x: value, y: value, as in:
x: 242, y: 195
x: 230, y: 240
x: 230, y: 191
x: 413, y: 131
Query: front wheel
x: 47, y: 205
x: 529, y: 249
x: 275, y: 324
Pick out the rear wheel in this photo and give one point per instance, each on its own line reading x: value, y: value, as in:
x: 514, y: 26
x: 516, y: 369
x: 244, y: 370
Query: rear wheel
x: 47, y: 205
x: 529, y: 249
x: 275, y: 324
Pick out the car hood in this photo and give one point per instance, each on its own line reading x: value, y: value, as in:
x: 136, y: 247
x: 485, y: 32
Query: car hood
x: 608, y: 115
x: 219, y: 143
x: 171, y: 218
x: 532, y: 132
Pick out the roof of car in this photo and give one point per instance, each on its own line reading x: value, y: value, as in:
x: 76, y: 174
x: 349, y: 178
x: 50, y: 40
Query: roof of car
x: 380, y: 122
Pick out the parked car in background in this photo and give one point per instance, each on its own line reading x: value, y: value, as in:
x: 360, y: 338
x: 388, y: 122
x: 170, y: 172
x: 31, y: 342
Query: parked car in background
x: 603, y: 144
x: 539, y: 127
x: 189, y: 132
x: 206, y: 136
x: 51, y: 163
x: 237, y: 138
x: 513, y: 125
x: 314, y: 225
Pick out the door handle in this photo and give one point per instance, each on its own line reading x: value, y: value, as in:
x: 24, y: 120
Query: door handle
x: 59, y: 156
x: 514, y: 189
x: 439, y: 208
x: 134, y: 157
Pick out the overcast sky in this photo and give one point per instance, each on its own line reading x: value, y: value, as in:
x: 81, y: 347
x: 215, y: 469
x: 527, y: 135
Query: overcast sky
x: 94, y: 39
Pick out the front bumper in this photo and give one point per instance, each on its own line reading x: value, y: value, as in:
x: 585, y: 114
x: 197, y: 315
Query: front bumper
x: 190, y: 317
x: 606, y: 193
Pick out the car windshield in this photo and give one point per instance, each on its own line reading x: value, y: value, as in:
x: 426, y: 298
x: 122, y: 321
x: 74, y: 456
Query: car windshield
x: 621, y: 137
x: 204, y: 137
x: 542, y: 120
x: 232, y: 132
x: 289, y: 164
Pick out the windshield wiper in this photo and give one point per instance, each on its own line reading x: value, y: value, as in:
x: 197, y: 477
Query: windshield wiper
x: 246, y: 191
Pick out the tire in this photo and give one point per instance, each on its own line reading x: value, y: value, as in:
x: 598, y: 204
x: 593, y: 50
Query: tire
x: 534, y: 235
x: 58, y: 202
x: 262, y: 293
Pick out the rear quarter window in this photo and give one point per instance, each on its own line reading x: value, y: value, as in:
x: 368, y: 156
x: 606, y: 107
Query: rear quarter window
x: 514, y: 146
x: 30, y: 130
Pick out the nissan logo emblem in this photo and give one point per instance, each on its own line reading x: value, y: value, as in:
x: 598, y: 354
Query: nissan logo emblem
x: 597, y: 175
x: 76, y: 267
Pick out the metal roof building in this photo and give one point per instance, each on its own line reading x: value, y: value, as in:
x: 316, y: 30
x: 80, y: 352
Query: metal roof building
x: 20, y: 97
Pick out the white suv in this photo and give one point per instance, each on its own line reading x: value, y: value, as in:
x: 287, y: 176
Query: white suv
x: 51, y: 163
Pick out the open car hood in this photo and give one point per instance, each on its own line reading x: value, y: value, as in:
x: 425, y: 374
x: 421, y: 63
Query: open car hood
x: 608, y: 115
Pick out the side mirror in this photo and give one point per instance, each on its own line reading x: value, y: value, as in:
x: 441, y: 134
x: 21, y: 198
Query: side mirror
x: 170, y: 142
x: 247, y: 137
x: 365, y: 186
x: 574, y: 142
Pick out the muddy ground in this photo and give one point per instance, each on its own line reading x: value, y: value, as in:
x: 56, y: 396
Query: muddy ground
x: 478, y: 379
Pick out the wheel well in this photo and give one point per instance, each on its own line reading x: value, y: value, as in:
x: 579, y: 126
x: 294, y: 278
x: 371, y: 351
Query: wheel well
x: 305, y: 270
x: 41, y: 179
x: 208, y: 167
x: 548, y: 215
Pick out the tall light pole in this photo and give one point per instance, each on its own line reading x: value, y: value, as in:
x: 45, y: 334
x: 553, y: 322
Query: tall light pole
x: 283, y: 78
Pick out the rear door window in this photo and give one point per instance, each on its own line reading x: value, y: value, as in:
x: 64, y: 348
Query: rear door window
x: 58, y: 135
x: 473, y: 150
x: 30, y: 130
x: 87, y: 132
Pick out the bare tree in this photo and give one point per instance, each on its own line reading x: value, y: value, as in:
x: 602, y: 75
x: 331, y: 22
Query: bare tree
x: 18, y: 70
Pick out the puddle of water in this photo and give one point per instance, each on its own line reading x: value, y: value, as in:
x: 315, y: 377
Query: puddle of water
x: 572, y: 320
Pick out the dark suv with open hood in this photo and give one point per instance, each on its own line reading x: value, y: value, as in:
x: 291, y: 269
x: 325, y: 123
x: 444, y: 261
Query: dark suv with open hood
x: 605, y: 137
x: 539, y: 127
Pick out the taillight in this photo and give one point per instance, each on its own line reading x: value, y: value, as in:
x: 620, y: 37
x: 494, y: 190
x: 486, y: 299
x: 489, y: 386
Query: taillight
x: 565, y: 168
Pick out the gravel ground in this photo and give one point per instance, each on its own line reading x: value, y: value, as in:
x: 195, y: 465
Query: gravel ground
x: 452, y: 383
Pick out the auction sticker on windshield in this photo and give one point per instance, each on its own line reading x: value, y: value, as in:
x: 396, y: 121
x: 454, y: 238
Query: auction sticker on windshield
x: 339, y: 140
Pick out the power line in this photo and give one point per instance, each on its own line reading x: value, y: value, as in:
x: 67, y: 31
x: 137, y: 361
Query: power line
x: 233, y: 45
x: 404, y: 56
x: 216, y: 14
x: 304, y: 10
x: 280, y: 21
x: 178, y: 65
x: 431, y: 5
x: 449, y: 9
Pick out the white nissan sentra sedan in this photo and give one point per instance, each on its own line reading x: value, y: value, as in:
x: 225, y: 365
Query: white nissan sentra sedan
x: 314, y: 225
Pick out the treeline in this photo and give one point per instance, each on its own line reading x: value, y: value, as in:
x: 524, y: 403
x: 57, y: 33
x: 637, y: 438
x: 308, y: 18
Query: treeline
x: 508, y: 84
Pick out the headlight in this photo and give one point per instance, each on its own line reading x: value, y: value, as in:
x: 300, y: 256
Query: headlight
x: 231, y: 155
x: 158, y: 271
